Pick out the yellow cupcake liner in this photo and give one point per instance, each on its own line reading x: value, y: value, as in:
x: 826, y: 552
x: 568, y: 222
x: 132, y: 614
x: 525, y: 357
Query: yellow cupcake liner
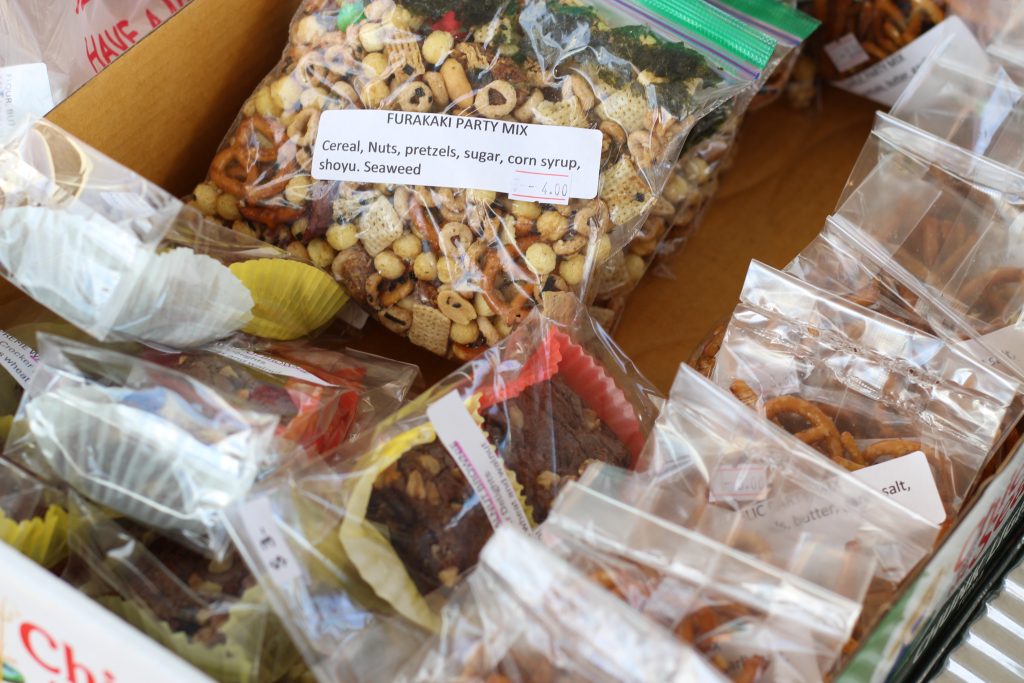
x: 5, y: 429
x: 256, y: 647
x: 292, y: 299
x: 369, y: 550
x: 44, y: 540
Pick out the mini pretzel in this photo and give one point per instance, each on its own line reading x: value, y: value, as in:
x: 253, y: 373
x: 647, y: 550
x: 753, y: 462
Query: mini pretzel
x: 519, y: 306
x: 742, y: 391
x: 821, y: 430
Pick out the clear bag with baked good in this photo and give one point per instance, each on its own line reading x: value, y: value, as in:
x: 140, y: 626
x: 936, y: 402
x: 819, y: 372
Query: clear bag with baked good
x: 33, y: 517
x: 211, y: 613
x: 120, y: 258
x: 950, y: 219
x: 149, y: 442
x: 526, y: 616
x: 385, y: 535
x: 962, y: 95
x: 751, y: 620
x: 866, y: 391
x: 451, y: 162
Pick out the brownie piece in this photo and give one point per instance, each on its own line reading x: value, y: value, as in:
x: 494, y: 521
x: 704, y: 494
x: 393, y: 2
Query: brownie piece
x: 546, y: 435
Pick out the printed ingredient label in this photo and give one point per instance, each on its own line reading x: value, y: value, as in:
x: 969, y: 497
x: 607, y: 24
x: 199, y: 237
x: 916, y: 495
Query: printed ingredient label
x: 550, y: 164
x: 24, y: 92
x: 909, y: 481
x: 268, y: 542
x: 18, y: 359
x: 739, y: 482
x: 271, y: 366
x: 847, y: 53
x: 472, y: 452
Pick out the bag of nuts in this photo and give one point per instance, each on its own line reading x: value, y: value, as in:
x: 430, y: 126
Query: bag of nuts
x: 210, y: 613
x: 383, y: 537
x: 527, y: 616
x: 752, y: 621
x: 454, y: 267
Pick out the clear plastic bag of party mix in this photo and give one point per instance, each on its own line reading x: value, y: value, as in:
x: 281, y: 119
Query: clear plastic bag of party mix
x: 949, y: 218
x: 526, y: 616
x: 384, y: 536
x: 963, y: 95
x: 450, y: 162
x: 866, y: 391
x: 146, y: 441
x: 706, y: 153
x: 753, y: 621
x: 33, y: 517
x: 209, y: 612
x: 120, y: 258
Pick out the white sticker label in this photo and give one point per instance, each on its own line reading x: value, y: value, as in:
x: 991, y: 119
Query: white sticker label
x: 884, y: 82
x: 549, y: 164
x: 1008, y: 341
x: 268, y: 542
x: 847, y: 53
x: 472, y: 452
x: 909, y: 481
x: 739, y: 482
x: 17, y: 359
x: 24, y: 92
x: 271, y: 366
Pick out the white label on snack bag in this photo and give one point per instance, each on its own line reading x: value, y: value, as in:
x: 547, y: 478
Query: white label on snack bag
x: 268, y: 542
x: 1008, y: 341
x: 739, y: 482
x: 884, y: 82
x: 24, y: 91
x: 271, y: 366
x: 847, y: 53
x: 909, y: 481
x: 550, y: 164
x: 17, y: 359
x: 472, y: 452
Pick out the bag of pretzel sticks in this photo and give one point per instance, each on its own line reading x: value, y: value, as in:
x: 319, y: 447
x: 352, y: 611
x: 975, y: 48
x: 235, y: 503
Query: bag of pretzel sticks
x: 708, y: 151
x: 120, y: 258
x: 449, y: 163
x: 391, y: 530
x: 866, y: 391
x: 951, y: 219
x: 752, y: 621
x: 526, y: 616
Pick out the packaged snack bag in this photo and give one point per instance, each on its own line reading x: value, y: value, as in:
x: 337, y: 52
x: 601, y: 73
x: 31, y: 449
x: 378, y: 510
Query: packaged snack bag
x: 33, y: 517
x: 209, y: 612
x: 525, y: 616
x: 949, y: 218
x: 120, y: 258
x: 151, y: 443
x: 387, y: 534
x: 407, y: 147
x: 870, y: 394
x: 751, y: 620
x: 1008, y: 37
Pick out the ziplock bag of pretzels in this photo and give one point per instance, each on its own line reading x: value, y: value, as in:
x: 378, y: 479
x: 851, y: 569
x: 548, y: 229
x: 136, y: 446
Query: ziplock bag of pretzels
x: 953, y: 220
x: 389, y: 532
x: 209, y: 612
x: 879, y: 398
x: 526, y: 616
x: 527, y: 141
x: 120, y: 258
x: 322, y: 398
x: 146, y: 441
x: 751, y: 620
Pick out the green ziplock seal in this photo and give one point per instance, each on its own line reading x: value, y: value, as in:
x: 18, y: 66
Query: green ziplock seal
x: 724, y: 32
x: 778, y: 15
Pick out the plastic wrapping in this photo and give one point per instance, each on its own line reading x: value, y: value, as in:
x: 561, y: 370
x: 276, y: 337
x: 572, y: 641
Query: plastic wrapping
x: 951, y: 220
x: 210, y: 613
x: 473, y: 262
x: 752, y: 621
x: 33, y: 517
x: 146, y: 441
x: 1007, y: 44
x: 525, y: 616
x: 861, y: 388
x: 117, y: 256
x: 389, y: 534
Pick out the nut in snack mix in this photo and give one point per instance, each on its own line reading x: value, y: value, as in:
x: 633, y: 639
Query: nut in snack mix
x: 453, y: 268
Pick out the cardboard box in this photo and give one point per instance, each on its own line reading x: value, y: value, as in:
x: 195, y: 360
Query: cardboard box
x: 163, y: 108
